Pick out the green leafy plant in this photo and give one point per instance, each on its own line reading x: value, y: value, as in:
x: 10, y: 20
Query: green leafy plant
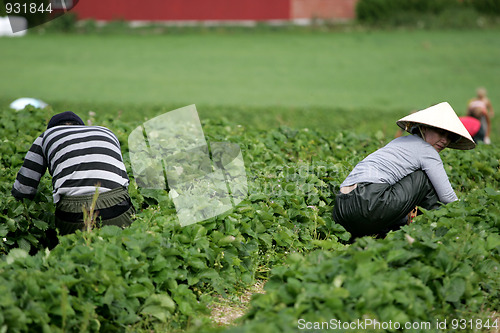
x: 444, y: 265
x: 157, y: 275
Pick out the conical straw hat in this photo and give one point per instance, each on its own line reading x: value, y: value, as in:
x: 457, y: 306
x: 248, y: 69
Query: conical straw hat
x: 441, y: 116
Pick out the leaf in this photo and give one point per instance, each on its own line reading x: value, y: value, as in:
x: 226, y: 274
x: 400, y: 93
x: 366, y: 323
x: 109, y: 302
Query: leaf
x: 4, y: 230
x: 224, y: 241
x: 16, y: 254
x: 42, y: 225
x: 158, y: 305
x: 266, y: 238
x: 18, y: 210
x: 156, y: 311
x: 325, y: 243
x: 492, y: 241
x: 454, y: 290
x: 24, y: 244
x: 108, y: 296
x: 110, y: 231
x: 138, y: 290
x: 400, y: 256
x: 196, y: 263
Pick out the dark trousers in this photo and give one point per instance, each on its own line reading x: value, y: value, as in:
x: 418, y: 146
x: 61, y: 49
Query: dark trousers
x: 481, y: 133
x: 377, y: 208
x: 113, y: 208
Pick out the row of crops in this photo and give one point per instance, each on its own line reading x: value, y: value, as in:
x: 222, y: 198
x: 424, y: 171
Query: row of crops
x: 157, y: 275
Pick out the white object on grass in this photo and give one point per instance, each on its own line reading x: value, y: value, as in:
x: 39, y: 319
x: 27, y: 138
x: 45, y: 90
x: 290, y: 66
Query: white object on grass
x: 21, y: 103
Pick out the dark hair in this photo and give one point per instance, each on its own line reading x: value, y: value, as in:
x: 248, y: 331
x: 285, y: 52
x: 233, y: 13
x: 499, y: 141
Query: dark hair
x: 68, y: 122
x: 452, y: 136
x: 415, y: 129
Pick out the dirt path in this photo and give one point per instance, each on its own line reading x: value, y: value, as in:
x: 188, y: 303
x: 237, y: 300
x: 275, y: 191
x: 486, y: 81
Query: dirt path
x: 224, y: 311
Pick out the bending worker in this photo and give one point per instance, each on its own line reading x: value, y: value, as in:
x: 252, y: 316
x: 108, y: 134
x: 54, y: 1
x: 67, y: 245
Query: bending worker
x: 383, y: 189
x: 80, y: 159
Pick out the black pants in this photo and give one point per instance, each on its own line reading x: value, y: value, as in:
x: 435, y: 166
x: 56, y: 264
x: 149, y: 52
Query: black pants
x: 114, y: 208
x: 480, y: 134
x: 376, y: 208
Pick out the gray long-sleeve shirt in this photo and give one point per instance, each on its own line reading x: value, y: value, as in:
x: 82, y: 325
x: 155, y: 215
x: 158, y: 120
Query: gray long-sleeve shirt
x: 399, y: 158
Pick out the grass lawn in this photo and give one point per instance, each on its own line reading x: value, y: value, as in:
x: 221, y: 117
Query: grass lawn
x: 262, y: 77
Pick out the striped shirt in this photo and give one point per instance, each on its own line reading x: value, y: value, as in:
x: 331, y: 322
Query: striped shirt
x: 77, y: 157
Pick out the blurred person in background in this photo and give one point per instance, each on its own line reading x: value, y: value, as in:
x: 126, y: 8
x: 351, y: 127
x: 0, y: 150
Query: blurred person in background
x: 473, y: 125
x: 80, y: 160
x: 480, y: 108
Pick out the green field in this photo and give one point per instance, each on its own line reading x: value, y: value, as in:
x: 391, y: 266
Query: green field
x: 233, y: 73
x: 304, y: 107
x: 157, y: 276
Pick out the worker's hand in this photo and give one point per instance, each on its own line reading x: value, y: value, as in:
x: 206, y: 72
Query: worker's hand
x: 487, y: 140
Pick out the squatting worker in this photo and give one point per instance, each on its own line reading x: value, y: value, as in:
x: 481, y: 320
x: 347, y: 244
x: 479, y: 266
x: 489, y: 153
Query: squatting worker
x: 79, y: 159
x: 381, y: 191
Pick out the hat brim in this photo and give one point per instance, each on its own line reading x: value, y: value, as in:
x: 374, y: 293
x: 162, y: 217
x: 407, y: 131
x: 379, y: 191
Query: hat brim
x: 441, y: 116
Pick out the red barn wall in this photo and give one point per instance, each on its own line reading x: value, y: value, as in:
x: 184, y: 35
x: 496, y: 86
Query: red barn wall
x: 217, y: 10
x: 182, y: 10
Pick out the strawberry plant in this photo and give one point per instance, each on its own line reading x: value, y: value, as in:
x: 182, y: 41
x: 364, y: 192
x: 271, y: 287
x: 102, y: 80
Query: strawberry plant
x: 157, y: 274
x: 444, y: 265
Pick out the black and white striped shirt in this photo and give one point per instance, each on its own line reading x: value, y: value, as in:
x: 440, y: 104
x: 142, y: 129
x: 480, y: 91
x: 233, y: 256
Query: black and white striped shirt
x: 78, y: 158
